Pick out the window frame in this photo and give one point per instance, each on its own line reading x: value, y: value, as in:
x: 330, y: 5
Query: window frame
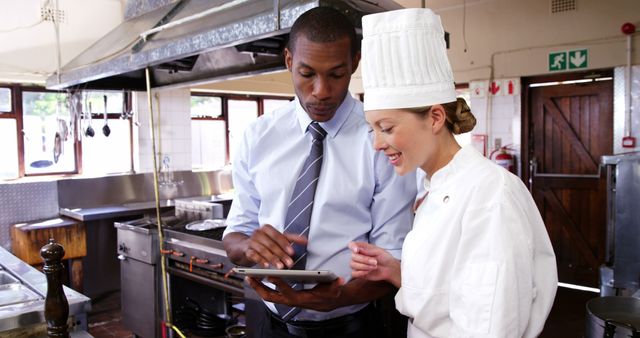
x: 17, y: 113
x: 225, y: 97
x: 76, y: 144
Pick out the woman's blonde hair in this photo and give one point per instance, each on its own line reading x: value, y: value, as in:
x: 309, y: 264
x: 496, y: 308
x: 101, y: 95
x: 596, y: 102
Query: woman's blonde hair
x: 459, y: 117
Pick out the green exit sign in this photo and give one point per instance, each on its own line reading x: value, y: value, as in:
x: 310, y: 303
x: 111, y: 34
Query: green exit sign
x: 577, y: 59
x: 573, y: 59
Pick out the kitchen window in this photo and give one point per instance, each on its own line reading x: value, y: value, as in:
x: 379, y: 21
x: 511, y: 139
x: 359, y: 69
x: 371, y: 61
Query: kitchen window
x: 208, y: 133
x: 273, y: 104
x: 49, y: 143
x: 218, y: 122
x: 5, y: 100
x: 106, y: 153
x: 241, y: 114
x: 9, y: 166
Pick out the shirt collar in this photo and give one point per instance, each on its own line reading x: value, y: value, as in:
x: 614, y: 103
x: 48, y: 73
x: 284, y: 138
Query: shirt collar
x: 332, y: 126
x: 462, y: 158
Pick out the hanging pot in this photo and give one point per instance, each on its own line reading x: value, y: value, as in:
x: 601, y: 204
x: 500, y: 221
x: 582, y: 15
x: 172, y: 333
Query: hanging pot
x: 613, y: 317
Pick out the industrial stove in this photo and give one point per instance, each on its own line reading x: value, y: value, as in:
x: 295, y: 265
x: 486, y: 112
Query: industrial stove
x: 200, y: 256
x: 202, y: 296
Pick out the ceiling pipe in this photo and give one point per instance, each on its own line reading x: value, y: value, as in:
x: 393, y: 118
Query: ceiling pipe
x: 190, y: 18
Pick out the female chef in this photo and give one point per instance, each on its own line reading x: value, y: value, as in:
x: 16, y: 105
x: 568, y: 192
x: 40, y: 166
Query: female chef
x: 478, y: 261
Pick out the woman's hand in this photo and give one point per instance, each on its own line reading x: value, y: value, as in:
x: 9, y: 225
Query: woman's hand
x: 373, y: 263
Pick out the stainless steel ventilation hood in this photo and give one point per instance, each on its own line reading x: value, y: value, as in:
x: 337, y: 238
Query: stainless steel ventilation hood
x: 190, y: 42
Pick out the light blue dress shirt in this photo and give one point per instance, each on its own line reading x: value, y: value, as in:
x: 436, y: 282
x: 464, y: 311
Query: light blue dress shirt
x: 358, y: 198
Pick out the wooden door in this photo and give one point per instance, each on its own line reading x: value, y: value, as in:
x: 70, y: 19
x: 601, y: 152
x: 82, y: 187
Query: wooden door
x: 568, y: 127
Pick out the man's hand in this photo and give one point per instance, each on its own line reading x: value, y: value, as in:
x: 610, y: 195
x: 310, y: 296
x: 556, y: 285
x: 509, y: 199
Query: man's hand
x: 322, y: 297
x: 374, y: 264
x: 266, y: 247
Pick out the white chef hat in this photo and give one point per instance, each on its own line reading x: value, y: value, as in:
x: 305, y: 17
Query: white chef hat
x: 404, y: 60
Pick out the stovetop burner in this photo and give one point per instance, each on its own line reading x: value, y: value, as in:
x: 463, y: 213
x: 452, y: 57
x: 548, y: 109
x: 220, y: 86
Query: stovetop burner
x: 152, y: 222
x: 173, y: 227
x: 215, y: 234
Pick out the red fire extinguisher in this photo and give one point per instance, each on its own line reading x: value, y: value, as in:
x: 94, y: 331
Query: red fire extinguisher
x: 503, y: 158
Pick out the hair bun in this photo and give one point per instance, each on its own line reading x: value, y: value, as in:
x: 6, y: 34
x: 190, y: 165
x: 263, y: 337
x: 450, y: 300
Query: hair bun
x: 463, y: 121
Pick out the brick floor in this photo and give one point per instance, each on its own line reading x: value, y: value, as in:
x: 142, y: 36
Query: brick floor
x: 105, y: 320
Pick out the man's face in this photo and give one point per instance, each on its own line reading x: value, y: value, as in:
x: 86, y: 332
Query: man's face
x: 321, y: 72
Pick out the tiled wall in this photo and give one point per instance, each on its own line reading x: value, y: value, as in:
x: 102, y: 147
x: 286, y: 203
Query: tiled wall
x: 172, y: 121
x: 22, y: 202
x: 499, y: 116
x: 620, y: 111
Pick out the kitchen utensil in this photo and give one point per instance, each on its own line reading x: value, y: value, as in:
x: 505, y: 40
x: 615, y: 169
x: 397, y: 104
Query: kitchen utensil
x: 106, y: 130
x: 57, y: 147
x: 63, y: 129
x: 72, y: 106
x: 90, y: 131
x: 41, y: 164
x: 126, y: 110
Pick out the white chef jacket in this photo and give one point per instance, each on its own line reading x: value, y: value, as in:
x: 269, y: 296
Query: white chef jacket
x: 478, y: 261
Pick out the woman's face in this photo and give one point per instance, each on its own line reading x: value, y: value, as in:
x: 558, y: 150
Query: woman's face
x: 405, y: 137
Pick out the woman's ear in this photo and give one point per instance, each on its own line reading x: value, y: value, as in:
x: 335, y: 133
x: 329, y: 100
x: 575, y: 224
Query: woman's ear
x: 438, y: 118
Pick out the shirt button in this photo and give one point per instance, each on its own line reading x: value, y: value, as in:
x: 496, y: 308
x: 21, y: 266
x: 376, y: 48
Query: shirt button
x: 445, y: 199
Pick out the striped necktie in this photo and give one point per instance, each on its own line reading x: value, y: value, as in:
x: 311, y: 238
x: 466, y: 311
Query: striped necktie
x: 301, y: 206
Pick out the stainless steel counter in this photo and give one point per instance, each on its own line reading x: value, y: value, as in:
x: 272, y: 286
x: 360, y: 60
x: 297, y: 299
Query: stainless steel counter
x: 127, y: 209
x: 29, y: 310
x: 112, y: 211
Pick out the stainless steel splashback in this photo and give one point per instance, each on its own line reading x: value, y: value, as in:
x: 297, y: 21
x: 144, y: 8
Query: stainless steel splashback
x: 91, y: 192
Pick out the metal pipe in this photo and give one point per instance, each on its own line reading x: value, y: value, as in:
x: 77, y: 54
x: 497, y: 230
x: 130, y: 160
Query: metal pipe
x: 276, y: 13
x: 568, y: 175
x: 56, y: 27
x: 156, y: 190
x: 627, y: 103
x: 533, y: 172
x: 190, y: 18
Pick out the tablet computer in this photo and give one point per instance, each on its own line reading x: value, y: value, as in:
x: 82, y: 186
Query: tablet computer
x: 306, y: 276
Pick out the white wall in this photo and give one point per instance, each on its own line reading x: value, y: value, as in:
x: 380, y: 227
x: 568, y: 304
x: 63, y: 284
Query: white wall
x: 519, y: 34
x: 498, y: 115
x: 28, y: 45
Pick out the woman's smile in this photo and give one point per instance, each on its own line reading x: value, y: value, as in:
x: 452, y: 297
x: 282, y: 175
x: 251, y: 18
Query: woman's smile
x: 394, y: 158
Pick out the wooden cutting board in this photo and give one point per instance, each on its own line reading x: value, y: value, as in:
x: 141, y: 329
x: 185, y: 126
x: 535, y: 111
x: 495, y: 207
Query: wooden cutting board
x: 29, y: 238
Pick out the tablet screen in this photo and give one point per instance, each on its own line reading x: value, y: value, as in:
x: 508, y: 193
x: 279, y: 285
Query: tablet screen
x: 307, y: 276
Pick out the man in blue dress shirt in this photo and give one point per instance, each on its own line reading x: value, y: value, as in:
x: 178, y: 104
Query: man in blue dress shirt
x: 358, y: 196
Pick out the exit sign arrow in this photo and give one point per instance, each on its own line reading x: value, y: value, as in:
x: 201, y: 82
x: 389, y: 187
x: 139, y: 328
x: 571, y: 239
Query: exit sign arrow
x: 578, y: 59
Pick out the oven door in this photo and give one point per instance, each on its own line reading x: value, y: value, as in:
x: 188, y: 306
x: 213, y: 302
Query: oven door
x: 138, y: 303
